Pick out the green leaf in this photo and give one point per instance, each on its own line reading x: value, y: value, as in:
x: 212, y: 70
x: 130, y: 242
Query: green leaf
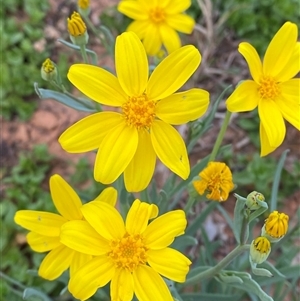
x: 31, y: 292
x: 77, y: 104
x: 240, y: 223
x: 275, y: 186
x: 251, y: 286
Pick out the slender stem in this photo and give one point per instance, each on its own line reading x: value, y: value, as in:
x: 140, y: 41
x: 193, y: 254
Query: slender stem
x: 211, y: 272
x: 84, y: 54
x: 189, y: 204
x: 12, y: 281
x: 220, y: 136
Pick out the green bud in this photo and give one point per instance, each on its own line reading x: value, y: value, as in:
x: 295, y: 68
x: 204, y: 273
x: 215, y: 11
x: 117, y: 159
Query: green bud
x: 49, y: 70
x: 255, y: 200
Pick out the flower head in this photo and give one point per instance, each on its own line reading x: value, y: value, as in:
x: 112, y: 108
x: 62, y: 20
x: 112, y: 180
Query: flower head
x: 131, y: 255
x: 45, y: 228
x: 156, y: 22
x: 276, y: 226
x: 273, y: 89
x: 260, y: 249
x: 216, y: 179
x: 129, y: 140
x: 48, y: 70
x: 77, y: 30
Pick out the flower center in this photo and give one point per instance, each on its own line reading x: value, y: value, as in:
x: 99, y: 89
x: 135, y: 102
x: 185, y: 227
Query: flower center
x: 128, y: 252
x: 139, y: 111
x: 157, y: 15
x: 269, y: 88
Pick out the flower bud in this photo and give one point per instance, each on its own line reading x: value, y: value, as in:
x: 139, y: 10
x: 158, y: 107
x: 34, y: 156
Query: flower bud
x: 260, y: 249
x: 255, y: 200
x: 276, y: 226
x: 84, y: 7
x: 77, y: 30
x: 48, y: 70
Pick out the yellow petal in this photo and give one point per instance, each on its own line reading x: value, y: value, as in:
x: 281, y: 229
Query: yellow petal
x: 82, y: 237
x: 272, y: 122
x: 44, y: 223
x: 253, y: 60
x: 177, y: 6
x: 121, y: 287
x: 169, y: 263
x: 133, y: 9
x: 152, y: 40
x: 131, y: 64
x: 139, y: 172
x: 98, y: 84
x: 105, y: 219
x: 65, y: 199
x: 139, y: 28
x: 109, y: 195
x: 244, y: 98
x: 88, y: 133
x: 266, y: 148
x: 149, y: 286
x: 183, y: 107
x: 169, y: 37
x: 56, y: 262
x: 162, y: 231
x: 181, y: 22
x: 170, y: 148
x: 79, y: 260
x: 280, y: 49
x: 115, y: 153
x: 172, y: 73
x: 138, y: 216
x: 289, y: 102
x: 292, y: 67
x: 93, y: 275
x: 42, y: 243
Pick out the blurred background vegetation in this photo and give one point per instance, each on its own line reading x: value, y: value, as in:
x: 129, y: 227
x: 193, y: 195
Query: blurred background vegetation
x: 25, y: 185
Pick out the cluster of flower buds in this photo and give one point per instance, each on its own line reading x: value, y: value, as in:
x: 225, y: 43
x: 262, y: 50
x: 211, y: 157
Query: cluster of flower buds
x: 273, y: 230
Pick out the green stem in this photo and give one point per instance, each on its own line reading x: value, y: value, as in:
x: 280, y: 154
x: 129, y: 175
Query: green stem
x: 211, y: 272
x: 189, y: 204
x: 220, y: 136
x: 84, y: 54
x: 12, y: 281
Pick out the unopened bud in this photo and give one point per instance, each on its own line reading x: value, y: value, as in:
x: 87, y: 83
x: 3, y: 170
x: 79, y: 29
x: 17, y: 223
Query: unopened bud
x: 255, y: 200
x: 48, y: 70
x: 260, y: 249
x: 77, y: 30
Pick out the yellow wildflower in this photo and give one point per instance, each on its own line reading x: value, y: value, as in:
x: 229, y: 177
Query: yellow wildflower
x: 260, y: 249
x: 131, y: 255
x: 129, y: 141
x: 45, y: 228
x: 216, y: 179
x: 276, y: 226
x: 156, y: 22
x: 273, y: 89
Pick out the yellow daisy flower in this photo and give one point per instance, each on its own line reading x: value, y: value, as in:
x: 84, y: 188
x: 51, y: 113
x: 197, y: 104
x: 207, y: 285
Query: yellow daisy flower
x: 131, y: 255
x: 157, y: 22
x: 273, y: 88
x: 129, y: 141
x: 216, y: 179
x: 45, y: 228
